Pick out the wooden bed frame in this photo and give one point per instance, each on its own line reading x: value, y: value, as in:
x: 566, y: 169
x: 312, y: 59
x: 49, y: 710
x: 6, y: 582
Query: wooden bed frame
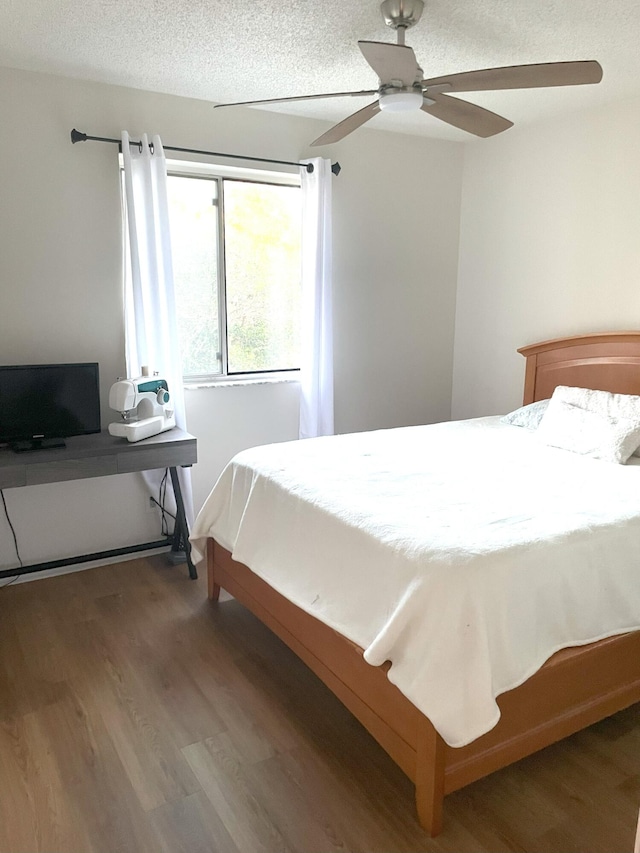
x: 575, y: 688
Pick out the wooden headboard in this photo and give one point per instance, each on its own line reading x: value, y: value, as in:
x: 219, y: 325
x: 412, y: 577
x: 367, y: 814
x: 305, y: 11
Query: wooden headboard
x: 606, y: 362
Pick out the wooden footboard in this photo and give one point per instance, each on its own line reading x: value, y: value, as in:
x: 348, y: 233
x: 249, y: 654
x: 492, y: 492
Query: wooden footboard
x: 574, y: 689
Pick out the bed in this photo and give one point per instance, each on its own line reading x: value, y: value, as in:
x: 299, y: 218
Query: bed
x: 574, y: 688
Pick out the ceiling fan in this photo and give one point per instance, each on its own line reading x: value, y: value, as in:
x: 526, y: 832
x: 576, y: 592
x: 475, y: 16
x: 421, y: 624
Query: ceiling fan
x: 402, y: 87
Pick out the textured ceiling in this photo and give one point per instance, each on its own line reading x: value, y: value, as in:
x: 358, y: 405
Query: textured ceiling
x: 230, y: 51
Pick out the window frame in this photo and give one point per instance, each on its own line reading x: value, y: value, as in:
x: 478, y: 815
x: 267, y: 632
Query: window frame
x: 219, y: 173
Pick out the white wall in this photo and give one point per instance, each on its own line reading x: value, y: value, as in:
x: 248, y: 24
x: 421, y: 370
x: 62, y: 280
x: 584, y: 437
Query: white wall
x: 396, y: 221
x: 228, y: 419
x: 396, y: 214
x: 549, y: 246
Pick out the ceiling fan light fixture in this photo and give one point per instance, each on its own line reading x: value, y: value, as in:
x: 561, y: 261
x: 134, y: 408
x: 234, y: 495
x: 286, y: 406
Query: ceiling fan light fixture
x: 401, y: 102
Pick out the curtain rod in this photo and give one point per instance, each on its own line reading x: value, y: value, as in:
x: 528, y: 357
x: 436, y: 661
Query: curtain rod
x: 78, y: 136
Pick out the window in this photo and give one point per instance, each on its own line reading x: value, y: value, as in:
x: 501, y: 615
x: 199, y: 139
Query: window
x: 236, y: 260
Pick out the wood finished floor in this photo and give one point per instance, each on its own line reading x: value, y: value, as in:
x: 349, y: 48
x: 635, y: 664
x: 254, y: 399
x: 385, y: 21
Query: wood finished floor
x: 136, y: 716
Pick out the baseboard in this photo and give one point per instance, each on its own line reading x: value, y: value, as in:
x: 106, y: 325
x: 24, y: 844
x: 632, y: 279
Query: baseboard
x: 81, y: 567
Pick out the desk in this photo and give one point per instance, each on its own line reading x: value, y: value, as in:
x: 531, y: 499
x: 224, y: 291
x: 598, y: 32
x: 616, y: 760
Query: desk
x: 100, y: 455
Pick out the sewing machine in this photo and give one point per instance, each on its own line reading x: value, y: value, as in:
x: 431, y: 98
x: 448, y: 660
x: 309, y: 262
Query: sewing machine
x: 145, y: 406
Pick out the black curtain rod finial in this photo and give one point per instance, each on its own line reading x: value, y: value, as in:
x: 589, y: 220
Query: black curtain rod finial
x: 336, y: 168
x: 76, y: 136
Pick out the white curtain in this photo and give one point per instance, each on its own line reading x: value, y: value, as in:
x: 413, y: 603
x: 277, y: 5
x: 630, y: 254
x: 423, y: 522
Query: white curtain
x: 316, y: 367
x: 151, y: 333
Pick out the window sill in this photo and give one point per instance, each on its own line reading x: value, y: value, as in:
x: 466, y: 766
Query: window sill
x: 235, y: 381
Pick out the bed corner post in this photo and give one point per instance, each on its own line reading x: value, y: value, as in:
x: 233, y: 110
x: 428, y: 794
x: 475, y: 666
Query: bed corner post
x: 213, y: 588
x: 430, y: 766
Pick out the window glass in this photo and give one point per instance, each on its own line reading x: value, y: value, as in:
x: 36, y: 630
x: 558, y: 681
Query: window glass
x: 237, y: 303
x: 193, y: 212
x: 262, y: 259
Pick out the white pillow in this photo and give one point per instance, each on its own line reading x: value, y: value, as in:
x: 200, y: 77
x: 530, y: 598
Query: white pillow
x: 569, y: 427
x: 603, y: 402
x: 528, y: 417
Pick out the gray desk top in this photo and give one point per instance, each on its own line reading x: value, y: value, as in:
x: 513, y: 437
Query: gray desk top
x: 96, y: 455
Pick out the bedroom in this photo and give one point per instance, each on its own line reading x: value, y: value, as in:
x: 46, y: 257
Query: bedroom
x: 486, y: 225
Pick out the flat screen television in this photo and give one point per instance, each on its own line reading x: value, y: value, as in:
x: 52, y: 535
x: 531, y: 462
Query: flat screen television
x: 42, y: 404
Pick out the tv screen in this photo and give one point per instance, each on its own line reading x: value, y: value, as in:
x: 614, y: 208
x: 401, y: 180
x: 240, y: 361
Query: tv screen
x: 44, y: 402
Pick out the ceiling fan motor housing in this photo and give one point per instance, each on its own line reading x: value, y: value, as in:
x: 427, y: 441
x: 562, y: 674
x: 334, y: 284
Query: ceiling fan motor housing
x: 401, y: 13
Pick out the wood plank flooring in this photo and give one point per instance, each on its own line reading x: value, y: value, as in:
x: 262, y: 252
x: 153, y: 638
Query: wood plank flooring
x: 137, y: 716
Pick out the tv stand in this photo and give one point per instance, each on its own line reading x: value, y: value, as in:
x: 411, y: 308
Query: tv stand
x: 100, y: 455
x: 37, y: 444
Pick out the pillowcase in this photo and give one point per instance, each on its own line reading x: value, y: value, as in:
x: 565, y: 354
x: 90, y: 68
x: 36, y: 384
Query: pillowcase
x: 528, y: 417
x: 569, y: 427
x: 602, y: 402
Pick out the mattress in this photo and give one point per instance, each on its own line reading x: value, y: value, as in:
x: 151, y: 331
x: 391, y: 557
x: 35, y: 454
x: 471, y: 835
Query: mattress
x: 465, y: 553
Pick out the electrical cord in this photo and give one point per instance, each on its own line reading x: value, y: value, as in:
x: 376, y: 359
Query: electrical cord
x: 162, y: 495
x: 15, y: 540
x: 163, y: 509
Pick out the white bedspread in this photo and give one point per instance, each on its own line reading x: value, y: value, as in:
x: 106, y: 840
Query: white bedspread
x: 465, y: 553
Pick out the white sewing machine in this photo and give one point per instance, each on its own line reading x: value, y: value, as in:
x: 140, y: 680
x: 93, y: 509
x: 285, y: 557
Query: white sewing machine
x: 145, y: 406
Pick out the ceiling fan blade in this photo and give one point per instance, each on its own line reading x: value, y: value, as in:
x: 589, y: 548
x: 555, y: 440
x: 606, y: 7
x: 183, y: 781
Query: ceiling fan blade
x: 521, y: 77
x: 391, y: 61
x: 298, y: 98
x: 347, y: 125
x: 465, y: 116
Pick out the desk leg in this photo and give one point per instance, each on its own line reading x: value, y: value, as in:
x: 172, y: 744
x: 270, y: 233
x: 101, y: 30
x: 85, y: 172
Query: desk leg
x: 181, y: 530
